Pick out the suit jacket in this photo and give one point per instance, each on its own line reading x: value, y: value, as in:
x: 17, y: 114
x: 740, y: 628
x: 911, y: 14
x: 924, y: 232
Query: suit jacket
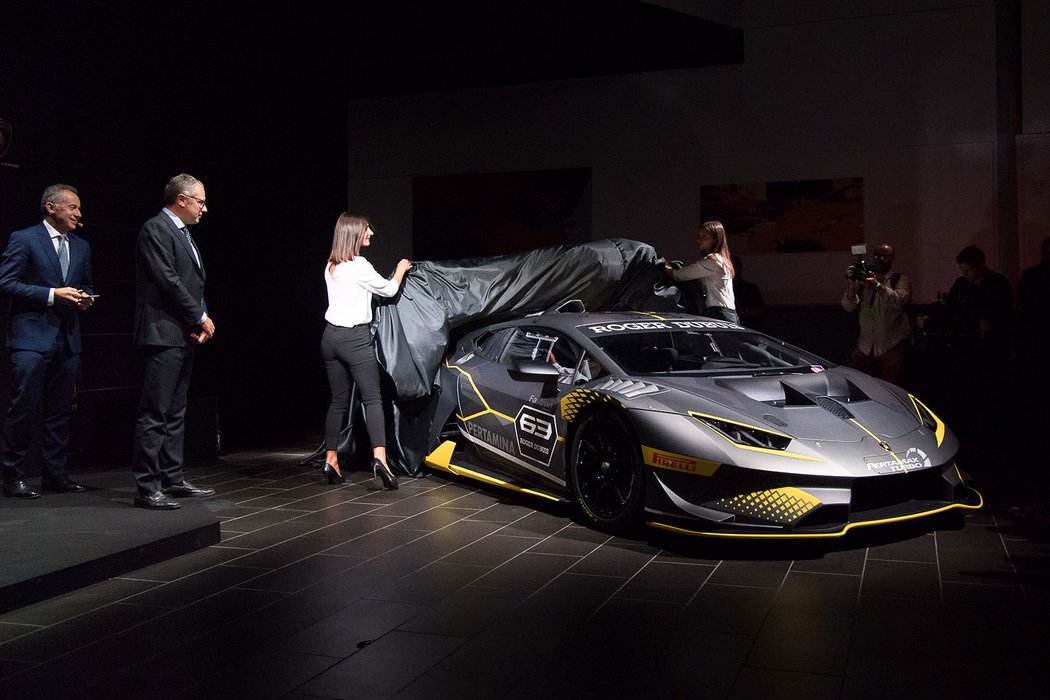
x: 169, y: 286
x: 29, y: 268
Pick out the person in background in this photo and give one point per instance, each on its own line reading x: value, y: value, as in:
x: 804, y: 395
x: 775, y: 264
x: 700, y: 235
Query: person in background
x: 881, y: 300
x: 980, y: 355
x: 985, y: 301
x: 714, y: 269
x: 347, y: 346
x: 1033, y: 301
x: 46, y: 273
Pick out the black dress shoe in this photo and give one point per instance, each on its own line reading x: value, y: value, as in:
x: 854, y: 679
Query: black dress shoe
x: 19, y: 489
x: 61, y: 484
x: 157, y: 501
x: 187, y: 489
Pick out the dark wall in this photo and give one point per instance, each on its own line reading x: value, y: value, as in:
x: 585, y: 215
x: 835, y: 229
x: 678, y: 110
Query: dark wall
x: 115, y: 110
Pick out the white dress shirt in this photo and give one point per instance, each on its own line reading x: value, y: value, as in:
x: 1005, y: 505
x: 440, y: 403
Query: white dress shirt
x: 350, y: 288
x: 181, y: 226
x: 56, y: 236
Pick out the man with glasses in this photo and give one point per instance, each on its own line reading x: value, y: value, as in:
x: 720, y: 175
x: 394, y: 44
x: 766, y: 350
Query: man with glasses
x: 171, y: 319
x: 46, y: 273
x: 881, y: 300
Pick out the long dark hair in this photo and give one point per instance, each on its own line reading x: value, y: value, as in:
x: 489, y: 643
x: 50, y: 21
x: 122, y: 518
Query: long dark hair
x: 721, y: 246
x: 346, y: 239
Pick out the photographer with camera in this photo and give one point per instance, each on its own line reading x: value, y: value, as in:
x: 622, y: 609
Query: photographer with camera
x: 881, y: 297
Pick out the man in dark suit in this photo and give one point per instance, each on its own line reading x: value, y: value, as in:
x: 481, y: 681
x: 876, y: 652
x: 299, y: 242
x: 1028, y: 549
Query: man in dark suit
x: 46, y: 273
x: 171, y: 319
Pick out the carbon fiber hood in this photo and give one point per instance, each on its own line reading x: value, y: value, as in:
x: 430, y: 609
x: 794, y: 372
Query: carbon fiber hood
x: 836, y: 405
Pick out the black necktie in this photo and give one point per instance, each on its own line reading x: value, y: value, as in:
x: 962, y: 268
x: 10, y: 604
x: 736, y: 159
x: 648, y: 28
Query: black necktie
x: 193, y: 249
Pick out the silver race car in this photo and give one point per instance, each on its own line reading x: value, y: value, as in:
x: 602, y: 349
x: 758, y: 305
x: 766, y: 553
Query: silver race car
x: 692, y: 425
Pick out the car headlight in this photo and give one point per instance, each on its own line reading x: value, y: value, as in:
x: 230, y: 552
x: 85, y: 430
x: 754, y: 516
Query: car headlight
x: 929, y: 419
x: 745, y: 435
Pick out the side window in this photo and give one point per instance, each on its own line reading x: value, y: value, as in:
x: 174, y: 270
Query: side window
x: 589, y: 370
x: 530, y: 343
x: 547, y: 345
x: 491, y: 344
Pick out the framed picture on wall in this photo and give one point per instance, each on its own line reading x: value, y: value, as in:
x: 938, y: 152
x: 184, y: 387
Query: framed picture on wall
x: 795, y: 216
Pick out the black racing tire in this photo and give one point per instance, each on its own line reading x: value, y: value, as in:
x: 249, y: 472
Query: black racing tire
x: 605, y: 473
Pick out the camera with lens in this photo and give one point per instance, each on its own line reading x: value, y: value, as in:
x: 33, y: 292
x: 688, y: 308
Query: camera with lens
x: 861, y: 270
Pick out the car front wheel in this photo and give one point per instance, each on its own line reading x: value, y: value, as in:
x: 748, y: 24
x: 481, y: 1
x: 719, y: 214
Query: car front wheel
x: 605, y: 473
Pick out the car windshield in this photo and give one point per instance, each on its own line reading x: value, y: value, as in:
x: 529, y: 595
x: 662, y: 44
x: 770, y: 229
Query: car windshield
x: 706, y: 352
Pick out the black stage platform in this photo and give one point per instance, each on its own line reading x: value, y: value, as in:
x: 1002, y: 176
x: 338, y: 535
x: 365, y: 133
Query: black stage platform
x: 61, y: 542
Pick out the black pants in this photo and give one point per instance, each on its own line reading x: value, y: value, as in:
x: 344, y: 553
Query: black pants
x: 160, y: 427
x: 349, y: 354
x: 722, y: 313
x: 41, y: 383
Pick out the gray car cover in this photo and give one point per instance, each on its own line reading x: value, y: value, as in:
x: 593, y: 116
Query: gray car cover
x: 441, y: 300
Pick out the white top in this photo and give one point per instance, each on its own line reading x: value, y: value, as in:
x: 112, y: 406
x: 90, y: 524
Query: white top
x: 714, y: 275
x: 56, y: 236
x: 350, y: 288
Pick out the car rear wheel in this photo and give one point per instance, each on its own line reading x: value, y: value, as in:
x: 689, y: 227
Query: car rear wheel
x: 605, y: 473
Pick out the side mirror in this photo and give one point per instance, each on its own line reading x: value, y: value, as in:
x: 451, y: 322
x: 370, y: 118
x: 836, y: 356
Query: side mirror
x: 533, y: 370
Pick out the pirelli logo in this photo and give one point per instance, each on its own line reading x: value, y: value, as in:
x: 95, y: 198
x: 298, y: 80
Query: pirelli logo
x: 678, y: 463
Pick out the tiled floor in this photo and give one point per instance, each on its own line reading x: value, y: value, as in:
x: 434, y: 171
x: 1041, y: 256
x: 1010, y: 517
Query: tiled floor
x: 442, y: 590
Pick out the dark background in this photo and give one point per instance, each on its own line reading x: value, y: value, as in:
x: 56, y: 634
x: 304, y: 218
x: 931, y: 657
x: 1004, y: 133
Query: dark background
x: 114, y: 97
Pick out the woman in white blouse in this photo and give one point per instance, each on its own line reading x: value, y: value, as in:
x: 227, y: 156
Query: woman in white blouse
x: 347, y: 347
x: 715, y: 271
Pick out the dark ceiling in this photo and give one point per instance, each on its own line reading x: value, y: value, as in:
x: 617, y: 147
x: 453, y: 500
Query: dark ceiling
x: 205, y: 50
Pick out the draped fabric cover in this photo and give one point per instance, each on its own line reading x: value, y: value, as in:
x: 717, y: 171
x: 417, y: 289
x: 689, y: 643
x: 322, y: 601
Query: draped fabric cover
x: 440, y: 300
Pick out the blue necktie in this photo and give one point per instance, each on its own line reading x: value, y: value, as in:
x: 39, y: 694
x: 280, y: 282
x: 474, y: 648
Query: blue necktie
x: 63, y: 254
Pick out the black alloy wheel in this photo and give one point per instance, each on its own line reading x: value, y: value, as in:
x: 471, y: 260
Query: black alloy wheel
x: 605, y: 473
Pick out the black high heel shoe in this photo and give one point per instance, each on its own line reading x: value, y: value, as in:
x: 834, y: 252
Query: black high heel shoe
x: 331, y: 476
x: 383, y: 474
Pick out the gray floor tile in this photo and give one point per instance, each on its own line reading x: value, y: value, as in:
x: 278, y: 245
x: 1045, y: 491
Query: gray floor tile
x: 466, y: 612
x: 55, y: 640
x: 570, y: 540
x: 55, y: 610
x: 490, y: 551
x: 848, y: 562
x: 302, y: 574
x: 613, y: 560
x: 527, y: 572
x: 901, y: 579
x: 189, y: 589
x: 785, y: 685
x: 918, y: 549
x: 271, y: 534
x: 351, y: 629
x: 730, y: 609
x: 429, y: 520
x: 384, y: 668
x: 767, y: 574
x: 812, y: 593
x: 373, y: 542
x: 487, y: 595
x: 430, y: 584
x: 457, y: 686
x: 803, y: 642
x: 269, y: 674
x: 666, y: 581
x: 282, y: 551
x: 992, y: 567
